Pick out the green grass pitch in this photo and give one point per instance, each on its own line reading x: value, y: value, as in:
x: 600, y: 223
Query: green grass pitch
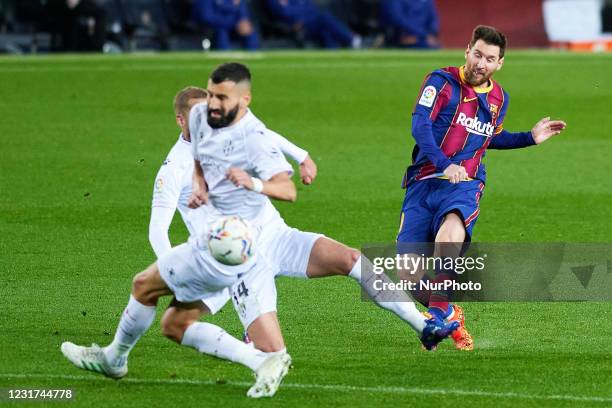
x: 83, y: 136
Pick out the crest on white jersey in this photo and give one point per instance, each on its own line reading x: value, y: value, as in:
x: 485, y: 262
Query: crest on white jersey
x: 428, y: 96
x: 159, y: 184
x: 228, y: 148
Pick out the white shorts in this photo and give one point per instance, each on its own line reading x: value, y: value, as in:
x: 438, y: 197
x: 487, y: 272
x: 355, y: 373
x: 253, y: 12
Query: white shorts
x: 287, y: 247
x: 254, y: 295
x: 216, y: 302
x: 287, y: 251
x: 192, y: 274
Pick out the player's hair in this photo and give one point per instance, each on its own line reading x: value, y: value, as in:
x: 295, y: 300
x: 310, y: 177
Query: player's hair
x: 491, y: 36
x: 231, y: 71
x: 182, y: 98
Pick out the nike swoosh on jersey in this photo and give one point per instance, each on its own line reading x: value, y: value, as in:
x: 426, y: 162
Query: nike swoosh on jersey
x: 466, y: 99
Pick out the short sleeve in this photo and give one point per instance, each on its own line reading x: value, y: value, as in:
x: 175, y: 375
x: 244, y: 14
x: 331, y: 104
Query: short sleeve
x: 265, y: 156
x: 295, y: 152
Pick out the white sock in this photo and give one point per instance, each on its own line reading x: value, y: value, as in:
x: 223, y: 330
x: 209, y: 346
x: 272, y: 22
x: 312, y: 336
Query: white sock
x: 397, y: 302
x: 213, y: 340
x: 274, y: 353
x: 135, y: 321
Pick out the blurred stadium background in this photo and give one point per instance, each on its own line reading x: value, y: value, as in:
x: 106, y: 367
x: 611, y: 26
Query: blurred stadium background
x: 30, y: 26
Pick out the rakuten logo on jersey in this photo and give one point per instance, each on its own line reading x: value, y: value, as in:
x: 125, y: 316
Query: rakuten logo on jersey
x: 473, y: 125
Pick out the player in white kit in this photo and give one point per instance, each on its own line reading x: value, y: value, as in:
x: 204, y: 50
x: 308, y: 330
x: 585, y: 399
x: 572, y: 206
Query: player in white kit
x: 190, y: 274
x: 172, y: 189
x: 231, y: 147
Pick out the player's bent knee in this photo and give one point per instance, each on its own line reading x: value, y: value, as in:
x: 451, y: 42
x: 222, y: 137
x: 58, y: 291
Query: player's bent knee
x: 452, y: 229
x: 139, y: 285
x: 143, y: 288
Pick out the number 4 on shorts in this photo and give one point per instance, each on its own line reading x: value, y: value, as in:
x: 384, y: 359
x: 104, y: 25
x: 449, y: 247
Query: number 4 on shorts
x: 242, y: 290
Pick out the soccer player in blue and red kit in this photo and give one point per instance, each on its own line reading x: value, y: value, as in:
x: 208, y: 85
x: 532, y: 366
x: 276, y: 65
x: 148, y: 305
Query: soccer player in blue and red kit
x: 459, y: 114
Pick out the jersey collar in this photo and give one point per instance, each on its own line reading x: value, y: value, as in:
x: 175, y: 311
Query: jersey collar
x: 182, y: 139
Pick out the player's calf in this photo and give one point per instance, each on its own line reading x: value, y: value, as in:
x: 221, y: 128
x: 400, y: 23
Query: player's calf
x: 178, y: 317
x: 329, y: 258
x: 265, y: 333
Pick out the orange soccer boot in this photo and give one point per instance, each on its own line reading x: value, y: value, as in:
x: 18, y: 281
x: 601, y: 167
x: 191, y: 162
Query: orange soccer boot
x: 463, y: 340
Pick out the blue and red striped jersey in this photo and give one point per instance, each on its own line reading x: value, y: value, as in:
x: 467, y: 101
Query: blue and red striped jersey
x: 453, y: 122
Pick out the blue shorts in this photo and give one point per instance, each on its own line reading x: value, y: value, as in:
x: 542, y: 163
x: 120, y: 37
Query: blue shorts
x: 428, y: 201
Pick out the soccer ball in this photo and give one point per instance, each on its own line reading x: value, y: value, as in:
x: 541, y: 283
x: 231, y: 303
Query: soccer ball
x: 230, y: 241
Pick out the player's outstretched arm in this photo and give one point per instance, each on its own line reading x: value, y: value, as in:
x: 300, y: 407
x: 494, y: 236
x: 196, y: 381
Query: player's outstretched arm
x: 308, y: 168
x: 546, y: 128
x: 199, y: 194
x: 280, y: 186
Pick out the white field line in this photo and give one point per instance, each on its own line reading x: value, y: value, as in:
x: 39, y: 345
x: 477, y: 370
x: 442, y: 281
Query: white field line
x: 514, y: 55
x: 326, y: 387
x: 202, y: 67
x: 271, y: 65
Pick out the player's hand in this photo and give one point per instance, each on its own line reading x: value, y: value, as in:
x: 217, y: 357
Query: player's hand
x: 308, y: 171
x: 546, y: 128
x: 455, y: 173
x: 199, y: 197
x: 240, y: 178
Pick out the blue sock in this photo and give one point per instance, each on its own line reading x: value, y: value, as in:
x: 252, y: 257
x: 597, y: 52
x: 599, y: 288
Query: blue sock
x: 439, y: 313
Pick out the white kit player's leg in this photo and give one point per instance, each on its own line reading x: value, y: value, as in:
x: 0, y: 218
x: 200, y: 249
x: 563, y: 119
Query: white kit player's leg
x: 135, y: 321
x: 213, y: 340
x: 401, y: 304
x: 310, y: 255
x: 327, y: 257
x: 112, y: 360
x: 270, y: 374
x: 92, y: 359
x: 254, y: 298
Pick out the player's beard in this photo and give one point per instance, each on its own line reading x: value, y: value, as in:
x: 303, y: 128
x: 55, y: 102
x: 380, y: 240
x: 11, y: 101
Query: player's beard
x: 224, y: 120
x: 473, y: 79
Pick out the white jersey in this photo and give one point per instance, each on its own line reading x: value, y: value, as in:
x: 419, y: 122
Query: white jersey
x: 173, y: 186
x: 246, y: 145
